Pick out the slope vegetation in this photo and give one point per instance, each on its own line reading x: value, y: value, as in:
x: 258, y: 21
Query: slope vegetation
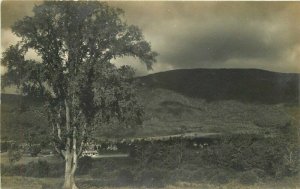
x: 184, y: 101
x: 246, y: 85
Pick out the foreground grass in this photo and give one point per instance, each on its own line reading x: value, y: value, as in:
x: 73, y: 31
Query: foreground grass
x: 55, y: 183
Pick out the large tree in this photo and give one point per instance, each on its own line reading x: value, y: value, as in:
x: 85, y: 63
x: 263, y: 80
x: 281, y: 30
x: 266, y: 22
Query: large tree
x: 76, y: 42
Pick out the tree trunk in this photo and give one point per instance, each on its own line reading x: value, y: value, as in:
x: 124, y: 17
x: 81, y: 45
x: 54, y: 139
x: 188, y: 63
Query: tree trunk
x: 70, y: 155
x: 70, y: 168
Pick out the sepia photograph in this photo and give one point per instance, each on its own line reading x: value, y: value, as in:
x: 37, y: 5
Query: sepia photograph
x: 150, y: 94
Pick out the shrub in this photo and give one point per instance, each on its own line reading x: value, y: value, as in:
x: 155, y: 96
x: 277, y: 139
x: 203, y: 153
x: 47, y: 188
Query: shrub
x: 4, y: 146
x: 221, y: 176
x: 37, y: 169
x: 153, y: 178
x: 14, y: 155
x: 124, y: 178
x: 199, y: 174
x: 182, y: 174
x: 259, y: 172
x: 277, y: 156
x: 96, y: 172
x: 248, y: 178
x: 9, y: 170
x: 168, y: 154
x: 56, y: 169
x: 84, y: 165
x: 34, y: 169
x: 35, y: 150
x: 190, y: 166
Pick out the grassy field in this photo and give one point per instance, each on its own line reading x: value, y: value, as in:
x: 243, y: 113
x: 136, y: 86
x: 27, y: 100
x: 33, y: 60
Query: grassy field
x: 54, y: 183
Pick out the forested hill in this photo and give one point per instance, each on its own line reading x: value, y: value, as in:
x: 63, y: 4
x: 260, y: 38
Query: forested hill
x: 247, y: 85
x: 197, y: 100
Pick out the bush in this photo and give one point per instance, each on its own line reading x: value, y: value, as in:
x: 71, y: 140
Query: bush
x: 259, y: 172
x: 199, y: 174
x: 35, y: 150
x: 222, y: 177
x: 37, y: 169
x: 9, y: 170
x: 96, y: 172
x: 182, y: 174
x: 124, y: 178
x: 34, y: 169
x: 4, y: 146
x: 14, y: 153
x: 168, y: 154
x: 84, y: 165
x: 153, y: 178
x: 248, y: 178
x: 193, y: 174
x: 56, y: 170
x: 277, y: 157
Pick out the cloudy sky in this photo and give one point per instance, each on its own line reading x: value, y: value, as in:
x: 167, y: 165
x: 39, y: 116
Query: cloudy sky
x: 263, y: 35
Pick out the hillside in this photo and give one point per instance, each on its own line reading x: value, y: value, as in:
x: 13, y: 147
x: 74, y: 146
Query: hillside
x: 246, y: 85
x: 183, y: 101
x: 168, y: 112
x: 20, y: 115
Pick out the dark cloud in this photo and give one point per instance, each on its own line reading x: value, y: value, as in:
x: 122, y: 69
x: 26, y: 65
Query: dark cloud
x: 218, y: 34
x: 220, y: 44
x: 213, y: 34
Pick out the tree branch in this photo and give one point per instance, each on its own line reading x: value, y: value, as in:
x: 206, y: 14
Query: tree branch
x: 83, y: 135
x: 58, y: 125
x: 58, y: 131
x: 59, y: 151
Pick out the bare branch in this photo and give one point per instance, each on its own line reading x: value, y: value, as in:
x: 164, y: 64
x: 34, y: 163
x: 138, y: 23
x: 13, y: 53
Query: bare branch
x: 58, y: 131
x: 61, y: 152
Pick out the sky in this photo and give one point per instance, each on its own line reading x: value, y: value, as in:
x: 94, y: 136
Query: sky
x: 262, y: 35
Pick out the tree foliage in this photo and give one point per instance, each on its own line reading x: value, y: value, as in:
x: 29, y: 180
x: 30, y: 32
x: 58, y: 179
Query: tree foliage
x: 76, y: 42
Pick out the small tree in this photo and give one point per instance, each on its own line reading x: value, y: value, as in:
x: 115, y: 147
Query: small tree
x: 35, y: 150
x: 14, y: 153
x: 81, y: 87
x: 32, y: 139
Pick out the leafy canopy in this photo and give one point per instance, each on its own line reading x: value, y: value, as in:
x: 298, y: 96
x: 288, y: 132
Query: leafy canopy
x: 76, y: 42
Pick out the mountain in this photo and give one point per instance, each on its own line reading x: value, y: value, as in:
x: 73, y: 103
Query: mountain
x: 21, y: 115
x: 246, y: 85
x: 218, y: 100
x: 185, y: 101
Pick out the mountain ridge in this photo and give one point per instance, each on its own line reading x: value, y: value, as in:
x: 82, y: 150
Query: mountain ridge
x: 247, y: 85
